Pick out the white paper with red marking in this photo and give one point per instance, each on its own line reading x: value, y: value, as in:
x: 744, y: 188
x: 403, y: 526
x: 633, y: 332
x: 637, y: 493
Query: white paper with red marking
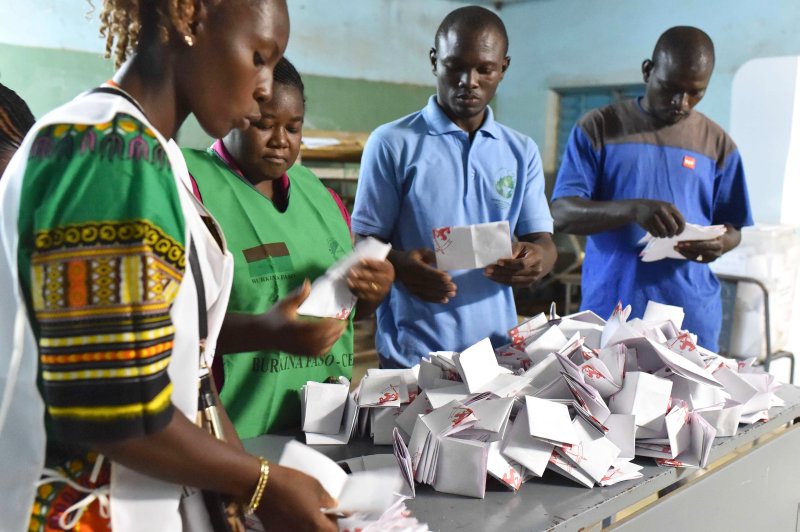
x: 330, y: 296
x: 468, y: 247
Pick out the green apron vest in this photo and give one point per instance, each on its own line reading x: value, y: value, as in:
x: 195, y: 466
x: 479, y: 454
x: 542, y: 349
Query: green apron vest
x: 273, y: 253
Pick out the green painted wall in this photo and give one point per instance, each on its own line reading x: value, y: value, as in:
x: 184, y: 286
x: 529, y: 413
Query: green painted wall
x: 46, y: 78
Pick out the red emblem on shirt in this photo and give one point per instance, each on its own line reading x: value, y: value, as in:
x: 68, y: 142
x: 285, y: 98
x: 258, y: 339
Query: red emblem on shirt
x: 688, y: 162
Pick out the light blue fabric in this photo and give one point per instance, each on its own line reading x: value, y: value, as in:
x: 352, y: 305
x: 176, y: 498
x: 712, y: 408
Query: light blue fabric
x: 712, y: 191
x: 421, y: 172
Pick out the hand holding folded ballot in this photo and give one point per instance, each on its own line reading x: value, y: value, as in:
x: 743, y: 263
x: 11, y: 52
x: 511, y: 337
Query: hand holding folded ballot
x: 370, y: 280
x: 331, y: 296
x: 298, y: 336
x: 659, y: 218
x: 292, y: 496
x: 362, y: 491
x: 702, y: 250
x: 523, y: 268
x: 416, y: 269
x: 696, y: 242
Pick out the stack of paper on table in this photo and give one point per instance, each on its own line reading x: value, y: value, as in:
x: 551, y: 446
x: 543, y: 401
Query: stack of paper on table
x: 322, y: 406
x: 471, y: 246
x: 382, y: 397
x: 330, y: 296
x: 648, y: 389
x: 430, y: 430
x: 664, y: 248
x: 328, y: 412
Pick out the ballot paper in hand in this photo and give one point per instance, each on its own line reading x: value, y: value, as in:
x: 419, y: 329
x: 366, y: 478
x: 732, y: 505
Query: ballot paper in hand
x: 368, y: 491
x: 664, y: 248
x: 330, y: 296
x: 471, y: 246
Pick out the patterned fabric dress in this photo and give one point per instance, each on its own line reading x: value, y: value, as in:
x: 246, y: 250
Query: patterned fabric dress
x: 101, y: 271
x: 100, y: 261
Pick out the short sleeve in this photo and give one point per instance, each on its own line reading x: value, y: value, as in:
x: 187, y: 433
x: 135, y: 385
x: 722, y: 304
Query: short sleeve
x: 103, y: 259
x: 379, y: 193
x: 535, y: 216
x: 731, y: 199
x: 579, y: 169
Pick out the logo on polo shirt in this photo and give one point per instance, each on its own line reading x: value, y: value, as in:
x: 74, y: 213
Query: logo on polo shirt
x: 689, y: 162
x: 505, y: 182
x: 504, y: 185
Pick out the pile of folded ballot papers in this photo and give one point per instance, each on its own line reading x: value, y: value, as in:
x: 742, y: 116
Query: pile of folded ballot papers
x: 576, y: 395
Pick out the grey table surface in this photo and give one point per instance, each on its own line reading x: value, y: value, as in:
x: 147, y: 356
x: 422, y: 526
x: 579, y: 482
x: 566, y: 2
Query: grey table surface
x: 551, y: 502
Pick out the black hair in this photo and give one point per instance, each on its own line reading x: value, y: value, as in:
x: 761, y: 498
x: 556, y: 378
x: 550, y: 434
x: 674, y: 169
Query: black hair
x: 15, y: 121
x: 286, y: 74
x: 472, y: 18
x: 685, y: 43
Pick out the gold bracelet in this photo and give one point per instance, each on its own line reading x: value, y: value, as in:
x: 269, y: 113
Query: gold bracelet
x: 262, y: 483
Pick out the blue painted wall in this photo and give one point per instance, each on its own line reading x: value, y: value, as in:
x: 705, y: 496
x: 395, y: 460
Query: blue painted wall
x: 567, y: 43
x: 554, y: 43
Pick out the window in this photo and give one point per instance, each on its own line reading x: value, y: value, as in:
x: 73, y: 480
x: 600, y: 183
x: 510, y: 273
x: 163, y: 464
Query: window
x: 573, y: 103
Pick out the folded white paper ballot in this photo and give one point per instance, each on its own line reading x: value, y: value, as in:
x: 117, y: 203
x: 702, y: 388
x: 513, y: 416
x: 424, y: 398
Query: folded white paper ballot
x: 367, y: 491
x: 657, y: 312
x: 467, y: 247
x: 664, y: 248
x: 330, y: 296
x: 346, y: 429
x: 322, y: 406
x: 383, y: 390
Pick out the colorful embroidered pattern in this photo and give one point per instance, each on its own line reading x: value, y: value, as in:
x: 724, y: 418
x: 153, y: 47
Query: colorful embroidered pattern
x: 102, y: 258
x: 124, y: 137
x: 101, y: 294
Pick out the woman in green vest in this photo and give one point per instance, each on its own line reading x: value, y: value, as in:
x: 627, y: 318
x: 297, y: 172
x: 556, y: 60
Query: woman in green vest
x: 283, y: 227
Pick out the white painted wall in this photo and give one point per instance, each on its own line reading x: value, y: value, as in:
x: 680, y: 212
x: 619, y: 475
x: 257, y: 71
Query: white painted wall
x: 765, y: 121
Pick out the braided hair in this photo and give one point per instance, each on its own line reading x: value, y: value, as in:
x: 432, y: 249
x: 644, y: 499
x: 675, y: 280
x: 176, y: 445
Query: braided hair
x: 286, y: 74
x: 123, y: 22
x: 15, y: 121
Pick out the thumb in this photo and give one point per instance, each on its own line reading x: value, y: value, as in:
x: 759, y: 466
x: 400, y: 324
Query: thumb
x: 296, y: 297
x: 326, y: 501
x: 427, y: 256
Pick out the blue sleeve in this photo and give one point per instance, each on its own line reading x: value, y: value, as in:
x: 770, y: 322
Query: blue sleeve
x: 535, y: 216
x: 731, y: 199
x: 378, y: 194
x: 579, y: 169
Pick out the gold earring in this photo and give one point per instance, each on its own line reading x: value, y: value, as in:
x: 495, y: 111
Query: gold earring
x: 188, y: 40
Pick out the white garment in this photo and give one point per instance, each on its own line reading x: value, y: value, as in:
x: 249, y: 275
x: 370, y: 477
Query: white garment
x: 138, y: 502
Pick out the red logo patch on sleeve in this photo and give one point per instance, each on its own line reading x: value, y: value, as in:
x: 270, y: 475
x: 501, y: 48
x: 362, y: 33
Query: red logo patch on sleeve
x: 688, y: 162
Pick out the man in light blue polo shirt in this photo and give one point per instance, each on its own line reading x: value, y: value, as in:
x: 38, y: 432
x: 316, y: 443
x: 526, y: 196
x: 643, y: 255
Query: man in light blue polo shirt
x: 452, y: 164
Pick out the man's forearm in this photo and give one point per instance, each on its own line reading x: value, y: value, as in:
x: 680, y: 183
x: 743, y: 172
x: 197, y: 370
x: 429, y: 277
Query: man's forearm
x: 731, y: 238
x: 580, y: 216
